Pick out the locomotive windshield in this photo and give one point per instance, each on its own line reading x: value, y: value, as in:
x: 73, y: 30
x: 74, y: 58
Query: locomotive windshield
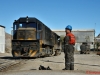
x: 25, y: 31
x: 24, y: 25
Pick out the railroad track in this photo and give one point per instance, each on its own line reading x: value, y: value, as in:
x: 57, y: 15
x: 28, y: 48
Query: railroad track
x: 6, y: 63
x: 9, y: 62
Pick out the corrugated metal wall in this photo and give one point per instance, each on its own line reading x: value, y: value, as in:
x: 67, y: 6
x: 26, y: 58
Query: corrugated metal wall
x: 2, y: 39
x: 84, y: 36
x: 81, y: 36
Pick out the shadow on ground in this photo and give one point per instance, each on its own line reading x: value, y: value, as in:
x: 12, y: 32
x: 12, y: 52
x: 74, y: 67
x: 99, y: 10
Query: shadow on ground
x: 74, y: 63
x: 87, y: 64
x: 13, y: 58
x: 51, y: 61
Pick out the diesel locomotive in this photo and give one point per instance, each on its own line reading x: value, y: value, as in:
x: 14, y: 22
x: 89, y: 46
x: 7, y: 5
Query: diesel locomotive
x: 32, y: 38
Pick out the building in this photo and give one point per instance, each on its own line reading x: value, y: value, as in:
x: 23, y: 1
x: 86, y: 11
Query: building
x: 81, y: 36
x: 97, y: 41
x: 2, y: 39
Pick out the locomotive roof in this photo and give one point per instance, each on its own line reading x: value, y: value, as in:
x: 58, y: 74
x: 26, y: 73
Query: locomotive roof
x: 30, y: 19
x: 56, y: 34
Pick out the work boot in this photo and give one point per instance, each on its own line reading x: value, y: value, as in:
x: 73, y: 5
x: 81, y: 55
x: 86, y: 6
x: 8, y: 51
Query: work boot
x: 67, y: 66
x: 64, y: 69
x: 72, y: 66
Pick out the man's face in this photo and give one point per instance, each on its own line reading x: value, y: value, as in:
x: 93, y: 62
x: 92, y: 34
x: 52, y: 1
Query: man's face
x: 67, y: 31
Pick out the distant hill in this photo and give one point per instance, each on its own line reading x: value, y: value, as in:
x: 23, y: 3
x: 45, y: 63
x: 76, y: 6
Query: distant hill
x: 7, y: 43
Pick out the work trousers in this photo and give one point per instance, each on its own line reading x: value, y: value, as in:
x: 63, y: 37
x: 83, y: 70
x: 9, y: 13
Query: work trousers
x: 69, y: 57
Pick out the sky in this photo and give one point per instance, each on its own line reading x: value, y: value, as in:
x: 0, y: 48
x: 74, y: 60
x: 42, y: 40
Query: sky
x: 56, y: 14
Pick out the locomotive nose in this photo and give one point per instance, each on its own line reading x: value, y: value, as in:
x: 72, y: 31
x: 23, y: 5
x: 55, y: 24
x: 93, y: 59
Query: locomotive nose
x: 26, y: 34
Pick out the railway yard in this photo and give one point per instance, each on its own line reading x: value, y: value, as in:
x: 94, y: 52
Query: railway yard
x: 35, y: 48
x: 50, y: 37
x: 30, y: 66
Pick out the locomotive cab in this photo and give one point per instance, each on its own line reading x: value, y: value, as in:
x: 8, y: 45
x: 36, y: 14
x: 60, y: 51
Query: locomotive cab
x: 25, y: 31
x: 25, y: 41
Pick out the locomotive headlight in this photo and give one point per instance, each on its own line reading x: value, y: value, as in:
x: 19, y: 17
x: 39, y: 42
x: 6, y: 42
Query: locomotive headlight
x: 27, y: 19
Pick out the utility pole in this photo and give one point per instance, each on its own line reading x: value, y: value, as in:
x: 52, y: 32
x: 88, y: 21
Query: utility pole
x: 94, y: 36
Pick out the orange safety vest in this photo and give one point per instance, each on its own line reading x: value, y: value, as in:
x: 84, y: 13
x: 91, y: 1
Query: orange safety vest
x: 72, y: 38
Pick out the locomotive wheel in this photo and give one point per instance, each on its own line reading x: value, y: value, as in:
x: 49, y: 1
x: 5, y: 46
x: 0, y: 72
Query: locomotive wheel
x: 84, y: 52
x: 52, y: 53
x: 16, y: 53
x: 81, y: 52
x: 48, y: 51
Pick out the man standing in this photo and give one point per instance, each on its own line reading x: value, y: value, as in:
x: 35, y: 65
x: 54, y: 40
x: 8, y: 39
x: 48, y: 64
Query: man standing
x: 69, y: 42
x: 83, y: 48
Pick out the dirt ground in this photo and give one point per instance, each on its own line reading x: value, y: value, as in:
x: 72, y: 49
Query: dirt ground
x: 84, y: 63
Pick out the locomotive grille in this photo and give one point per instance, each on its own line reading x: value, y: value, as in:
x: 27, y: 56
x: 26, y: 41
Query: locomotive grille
x: 26, y: 34
x: 30, y: 35
x: 21, y: 35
